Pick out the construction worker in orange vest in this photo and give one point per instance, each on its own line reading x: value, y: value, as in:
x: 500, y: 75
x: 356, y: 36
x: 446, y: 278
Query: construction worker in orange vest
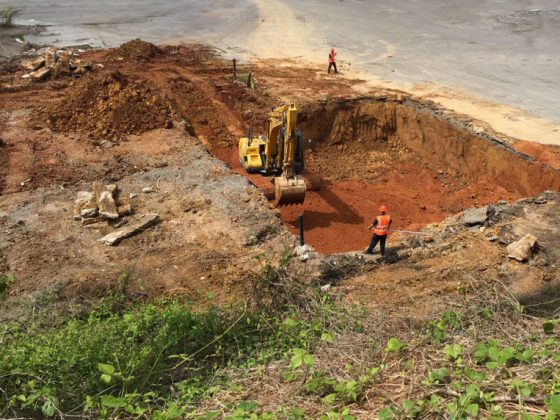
x: 380, y: 228
x: 332, y: 61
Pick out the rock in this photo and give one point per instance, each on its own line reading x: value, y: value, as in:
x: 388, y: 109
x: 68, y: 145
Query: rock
x: 62, y: 66
x: 132, y: 195
x: 107, y: 205
x: 475, y: 216
x: 124, y: 210
x: 92, y: 220
x: 113, y: 189
x: 540, y: 200
x: 88, y: 212
x: 146, y: 221
x: 33, y: 65
x: 147, y: 190
x: 502, y: 202
x: 97, y: 190
x: 119, y: 223
x: 325, y: 288
x: 492, y: 238
x: 39, y: 75
x: 83, y: 197
x: 521, y: 250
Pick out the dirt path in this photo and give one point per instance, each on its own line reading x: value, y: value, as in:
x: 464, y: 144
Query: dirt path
x: 282, y: 33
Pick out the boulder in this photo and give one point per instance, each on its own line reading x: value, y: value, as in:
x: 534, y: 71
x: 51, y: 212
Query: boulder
x: 521, y: 250
x: 475, y: 216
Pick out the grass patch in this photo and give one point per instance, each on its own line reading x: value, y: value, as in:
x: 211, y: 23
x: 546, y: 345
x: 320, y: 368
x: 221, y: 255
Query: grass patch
x: 5, y: 282
x: 291, y: 353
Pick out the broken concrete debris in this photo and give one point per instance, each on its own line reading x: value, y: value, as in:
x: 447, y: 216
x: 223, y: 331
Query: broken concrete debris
x: 144, y: 222
x: 54, y: 64
x: 521, y: 250
x: 104, y: 202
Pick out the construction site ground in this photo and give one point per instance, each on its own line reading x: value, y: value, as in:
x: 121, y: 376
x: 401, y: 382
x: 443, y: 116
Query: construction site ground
x: 167, y: 120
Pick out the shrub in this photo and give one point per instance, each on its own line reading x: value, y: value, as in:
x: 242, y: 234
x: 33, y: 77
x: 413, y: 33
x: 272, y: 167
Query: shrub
x: 7, y: 15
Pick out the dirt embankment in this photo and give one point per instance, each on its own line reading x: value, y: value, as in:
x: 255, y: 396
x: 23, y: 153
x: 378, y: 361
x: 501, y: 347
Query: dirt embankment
x: 422, y: 164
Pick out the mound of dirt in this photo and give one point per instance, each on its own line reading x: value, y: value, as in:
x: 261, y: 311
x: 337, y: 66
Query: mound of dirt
x: 109, y: 106
x: 134, y: 51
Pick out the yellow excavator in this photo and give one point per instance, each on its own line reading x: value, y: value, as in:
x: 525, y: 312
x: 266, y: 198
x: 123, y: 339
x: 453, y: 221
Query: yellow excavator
x: 279, y: 153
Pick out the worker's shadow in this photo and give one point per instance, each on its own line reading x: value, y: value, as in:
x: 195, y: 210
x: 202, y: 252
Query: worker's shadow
x: 339, y: 212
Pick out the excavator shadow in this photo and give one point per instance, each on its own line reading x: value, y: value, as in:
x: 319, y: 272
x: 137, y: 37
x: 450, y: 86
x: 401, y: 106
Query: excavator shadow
x: 341, y: 212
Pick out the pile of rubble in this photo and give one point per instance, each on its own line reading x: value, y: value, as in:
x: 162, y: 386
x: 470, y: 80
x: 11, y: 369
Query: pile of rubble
x: 105, y: 204
x: 53, y: 64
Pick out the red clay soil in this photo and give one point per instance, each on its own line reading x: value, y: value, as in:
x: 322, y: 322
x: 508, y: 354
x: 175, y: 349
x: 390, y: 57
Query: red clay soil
x: 547, y: 154
x: 368, y: 153
x: 135, y: 51
x: 110, y: 105
x: 336, y: 217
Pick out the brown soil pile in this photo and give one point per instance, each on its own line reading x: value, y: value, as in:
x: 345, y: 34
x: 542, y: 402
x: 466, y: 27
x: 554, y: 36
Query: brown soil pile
x: 134, y: 51
x: 110, y: 106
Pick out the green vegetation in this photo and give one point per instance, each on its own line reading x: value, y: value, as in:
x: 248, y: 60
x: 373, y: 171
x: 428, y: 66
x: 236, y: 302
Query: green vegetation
x: 289, y: 353
x: 7, y: 15
x: 5, y: 282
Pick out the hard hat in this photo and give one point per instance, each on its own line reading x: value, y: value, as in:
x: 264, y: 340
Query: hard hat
x: 383, y: 209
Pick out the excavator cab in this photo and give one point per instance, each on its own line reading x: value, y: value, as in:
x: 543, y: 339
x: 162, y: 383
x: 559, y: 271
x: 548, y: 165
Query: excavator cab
x: 279, y: 153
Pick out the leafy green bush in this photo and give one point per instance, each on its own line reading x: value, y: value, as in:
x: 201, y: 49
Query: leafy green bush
x: 109, y: 361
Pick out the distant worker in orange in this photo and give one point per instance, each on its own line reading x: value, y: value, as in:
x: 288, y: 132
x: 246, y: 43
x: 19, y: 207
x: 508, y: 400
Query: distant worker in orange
x: 332, y: 61
x: 380, y: 228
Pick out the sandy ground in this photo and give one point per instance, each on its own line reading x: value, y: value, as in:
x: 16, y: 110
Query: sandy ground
x: 495, y: 62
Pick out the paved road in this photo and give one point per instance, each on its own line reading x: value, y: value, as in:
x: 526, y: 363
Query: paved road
x: 503, y: 50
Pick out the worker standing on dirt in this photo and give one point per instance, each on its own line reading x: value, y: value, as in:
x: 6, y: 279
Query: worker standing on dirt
x: 380, y: 228
x: 332, y: 61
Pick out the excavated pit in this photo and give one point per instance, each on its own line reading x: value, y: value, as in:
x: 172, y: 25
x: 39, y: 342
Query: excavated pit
x: 420, y: 163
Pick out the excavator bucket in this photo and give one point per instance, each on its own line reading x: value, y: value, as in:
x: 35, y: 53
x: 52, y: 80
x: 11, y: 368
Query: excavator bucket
x: 289, y: 191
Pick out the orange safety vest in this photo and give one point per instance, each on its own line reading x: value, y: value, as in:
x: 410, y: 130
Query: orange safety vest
x: 382, y: 227
x: 332, y: 57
